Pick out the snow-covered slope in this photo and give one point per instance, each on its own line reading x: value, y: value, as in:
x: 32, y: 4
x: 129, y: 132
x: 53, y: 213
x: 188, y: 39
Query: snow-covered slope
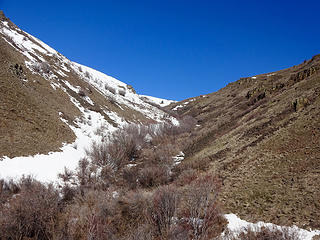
x: 110, y: 105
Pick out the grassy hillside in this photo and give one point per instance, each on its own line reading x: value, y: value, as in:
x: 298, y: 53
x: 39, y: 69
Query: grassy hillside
x: 262, y: 136
x: 39, y: 86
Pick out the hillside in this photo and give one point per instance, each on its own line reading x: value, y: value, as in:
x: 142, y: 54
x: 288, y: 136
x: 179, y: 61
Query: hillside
x: 141, y: 167
x: 44, y: 95
x: 261, y: 134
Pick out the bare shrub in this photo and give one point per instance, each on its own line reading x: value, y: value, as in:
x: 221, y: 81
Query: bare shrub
x: 151, y: 176
x: 200, y: 208
x: 180, y: 231
x: 32, y: 213
x: 162, y: 212
x: 99, y: 154
x: 125, y: 143
x: 143, y: 232
x: 132, y: 207
x: 110, y: 89
x: 7, y: 189
x: 122, y: 92
x: 81, y: 93
x: 187, y: 123
x: 42, y: 67
x: 66, y: 176
x: 130, y: 176
x: 89, y: 217
x: 87, y: 74
x: 68, y: 193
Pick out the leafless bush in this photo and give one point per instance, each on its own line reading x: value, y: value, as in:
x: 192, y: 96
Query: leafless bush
x: 110, y: 89
x: 113, y: 155
x: 143, y: 232
x: 126, y: 141
x: 187, y: 123
x: 151, y: 176
x: 1, y: 186
x: 89, y: 217
x: 42, y: 67
x: 99, y: 154
x: 132, y: 207
x: 7, y: 189
x: 87, y: 74
x: 200, y: 208
x: 122, y: 92
x: 32, y: 213
x: 66, y: 176
x: 162, y: 212
x: 68, y: 193
x: 81, y: 93
x: 130, y: 176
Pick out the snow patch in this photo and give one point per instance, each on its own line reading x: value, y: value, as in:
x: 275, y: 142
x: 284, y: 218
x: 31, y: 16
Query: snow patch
x: 237, y: 225
x: 179, y: 158
x: 159, y: 101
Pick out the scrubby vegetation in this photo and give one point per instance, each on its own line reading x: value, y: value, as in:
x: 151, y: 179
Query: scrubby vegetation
x: 127, y: 187
x: 42, y: 67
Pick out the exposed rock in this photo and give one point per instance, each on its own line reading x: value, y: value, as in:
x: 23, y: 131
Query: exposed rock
x: 300, y: 103
x: 297, y: 77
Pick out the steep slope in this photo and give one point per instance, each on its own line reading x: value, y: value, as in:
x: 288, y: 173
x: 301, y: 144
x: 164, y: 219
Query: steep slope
x: 261, y: 135
x: 42, y: 92
x: 51, y: 104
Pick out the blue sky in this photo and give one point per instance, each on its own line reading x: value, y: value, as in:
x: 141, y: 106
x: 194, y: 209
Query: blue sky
x: 175, y: 49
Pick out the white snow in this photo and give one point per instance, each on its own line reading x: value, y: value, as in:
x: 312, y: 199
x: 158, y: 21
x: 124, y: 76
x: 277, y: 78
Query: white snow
x: 160, y: 101
x: 177, y: 107
x: 178, y: 159
x: 271, y: 74
x: 26, y: 45
x: 237, y: 225
x: 46, y: 167
x: 175, y: 121
x: 130, y: 165
x: 254, y: 77
x: 99, y: 80
x: 183, y: 104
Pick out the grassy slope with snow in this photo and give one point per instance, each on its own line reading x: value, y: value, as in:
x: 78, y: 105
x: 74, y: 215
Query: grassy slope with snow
x: 46, y: 167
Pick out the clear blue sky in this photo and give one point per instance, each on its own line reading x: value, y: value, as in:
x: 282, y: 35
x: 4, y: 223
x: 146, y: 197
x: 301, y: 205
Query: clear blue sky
x: 175, y: 49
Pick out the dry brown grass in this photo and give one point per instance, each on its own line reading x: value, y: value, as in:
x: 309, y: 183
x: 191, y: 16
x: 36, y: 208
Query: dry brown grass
x: 262, y: 148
